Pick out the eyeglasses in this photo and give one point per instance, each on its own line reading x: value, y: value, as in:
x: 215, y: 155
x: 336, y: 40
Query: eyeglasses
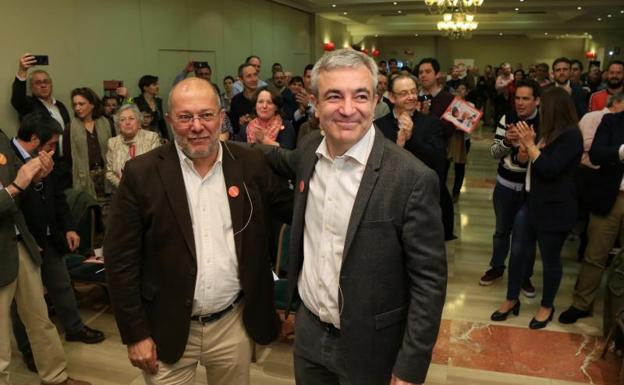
x: 204, y: 117
x: 406, y: 93
x: 42, y: 82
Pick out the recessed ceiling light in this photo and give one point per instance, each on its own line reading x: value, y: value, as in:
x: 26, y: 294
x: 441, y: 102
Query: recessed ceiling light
x: 522, y: 1
x: 333, y: 5
x: 517, y: 9
x: 345, y: 13
x: 622, y: 11
x: 546, y: 33
x: 376, y: 35
x: 416, y: 34
x: 579, y: 7
x: 500, y: 34
x: 395, y: 3
x: 399, y: 11
x: 599, y: 19
x: 609, y: 15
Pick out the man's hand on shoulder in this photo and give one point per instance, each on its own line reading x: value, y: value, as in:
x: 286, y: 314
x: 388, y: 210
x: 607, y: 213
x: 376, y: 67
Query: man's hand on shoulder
x: 143, y: 355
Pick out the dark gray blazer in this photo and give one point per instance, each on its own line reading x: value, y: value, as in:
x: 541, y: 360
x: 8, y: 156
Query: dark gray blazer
x: 393, y: 275
x: 10, y: 217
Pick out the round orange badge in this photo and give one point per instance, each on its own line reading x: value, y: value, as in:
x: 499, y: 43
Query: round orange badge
x: 3, y: 159
x: 301, y: 186
x: 233, y: 191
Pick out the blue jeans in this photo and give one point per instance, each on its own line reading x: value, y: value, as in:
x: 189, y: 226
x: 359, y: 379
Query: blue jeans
x: 56, y: 280
x: 507, y: 203
x: 550, y: 244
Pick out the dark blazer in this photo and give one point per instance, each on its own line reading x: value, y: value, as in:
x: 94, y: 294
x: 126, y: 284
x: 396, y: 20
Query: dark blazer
x: 45, y: 209
x: 150, y: 252
x: 25, y: 104
x: 393, y: 275
x: 290, y: 104
x: 158, y: 123
x: 552, y: 199
x: 11, y: 217
x: 579, y: 98
x: 427, y: 142
x: 604, y: 184
x: 239, y: 106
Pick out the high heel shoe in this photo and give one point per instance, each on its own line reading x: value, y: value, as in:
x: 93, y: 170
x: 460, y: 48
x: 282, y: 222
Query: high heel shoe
x: 502, y: 316
x: 535, y: 324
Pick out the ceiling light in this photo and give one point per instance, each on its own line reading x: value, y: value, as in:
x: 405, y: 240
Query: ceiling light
x: 333, y: 5
x: 441, y: 7
x: 345, y: 13
x: 522, y: 1
x: 399, y: 11
x: 579, y: 7
x: 517, y: 9
x: 599, y: 19
x: 500, y: 34
x: 376, y: 35
x: 546, y: 33
x: 395, y: 3
x: 416, y: 34
x: 457, y: 25
x: 622, y: 11
x: 609, y: 15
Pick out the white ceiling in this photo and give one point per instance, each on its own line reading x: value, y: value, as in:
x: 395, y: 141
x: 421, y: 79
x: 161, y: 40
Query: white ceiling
x: 534, y: 18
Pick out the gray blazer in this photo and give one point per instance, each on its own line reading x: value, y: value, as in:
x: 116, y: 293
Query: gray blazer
x: 10, y: 217
x: 393, y: 274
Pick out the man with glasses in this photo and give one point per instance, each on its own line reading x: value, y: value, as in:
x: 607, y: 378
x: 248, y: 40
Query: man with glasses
x: 41, y: 100
x: 420, y: 134
x: 187, y: 256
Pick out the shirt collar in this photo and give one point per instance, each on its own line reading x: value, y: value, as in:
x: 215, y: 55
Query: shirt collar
x: 23, y: 153
x: 433, y: 94
x: 45, y: 104
x: 358, y: 152
x: 185, y: 160
x: 395, y: 115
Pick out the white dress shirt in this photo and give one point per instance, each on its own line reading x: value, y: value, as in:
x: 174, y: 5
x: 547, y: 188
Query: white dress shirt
x: 333, y: 188
x: 217, y: 284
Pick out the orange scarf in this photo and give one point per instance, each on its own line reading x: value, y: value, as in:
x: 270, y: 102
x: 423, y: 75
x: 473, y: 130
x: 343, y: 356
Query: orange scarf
x: 270, y: 128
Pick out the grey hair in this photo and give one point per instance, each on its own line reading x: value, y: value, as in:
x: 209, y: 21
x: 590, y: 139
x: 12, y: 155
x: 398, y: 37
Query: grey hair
x: 37, y: 72
x: 343, y: 58
x: 125, y: 107
x: 617, y: 98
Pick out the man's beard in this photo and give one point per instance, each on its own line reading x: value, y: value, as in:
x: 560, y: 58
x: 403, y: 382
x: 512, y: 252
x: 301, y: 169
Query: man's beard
x: 614, y: 83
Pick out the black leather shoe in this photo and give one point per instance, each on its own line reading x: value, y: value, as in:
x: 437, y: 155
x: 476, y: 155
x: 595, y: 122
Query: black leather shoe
x: 29, y: 360
x: 500, y: 316
x: 86, y: 335
x: 572, y: 315
x: 535, y: 324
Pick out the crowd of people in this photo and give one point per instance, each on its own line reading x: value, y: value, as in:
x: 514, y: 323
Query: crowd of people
x: 191, y: 213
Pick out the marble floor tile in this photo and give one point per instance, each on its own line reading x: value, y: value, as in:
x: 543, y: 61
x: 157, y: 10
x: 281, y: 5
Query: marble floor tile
x: 471, y: 349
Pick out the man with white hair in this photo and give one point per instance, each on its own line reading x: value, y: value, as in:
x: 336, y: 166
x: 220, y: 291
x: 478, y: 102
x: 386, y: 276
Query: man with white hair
x: 368, y: 259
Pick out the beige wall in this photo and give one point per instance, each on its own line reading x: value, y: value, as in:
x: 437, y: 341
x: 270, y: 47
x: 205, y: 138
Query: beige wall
x: 484, y: 50
x: 89, y: 41
x: 326, y: 30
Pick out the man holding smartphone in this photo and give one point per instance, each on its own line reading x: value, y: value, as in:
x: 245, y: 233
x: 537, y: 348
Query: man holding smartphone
x: 41, y: 99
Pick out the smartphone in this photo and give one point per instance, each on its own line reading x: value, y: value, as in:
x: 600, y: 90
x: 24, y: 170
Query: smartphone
x: 200, y: 64
x: 41, y: 60
x: 424, y: 98
x: 112, y: 85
